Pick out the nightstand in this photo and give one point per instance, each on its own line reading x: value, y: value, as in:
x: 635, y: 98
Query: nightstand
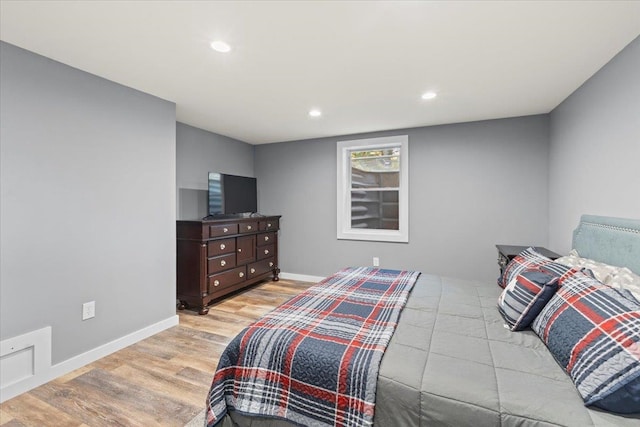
x: 507, y: 252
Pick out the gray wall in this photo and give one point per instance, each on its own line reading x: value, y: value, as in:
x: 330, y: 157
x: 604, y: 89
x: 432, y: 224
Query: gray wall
x: 472, y: 185
x: 88, y: 204
x: 595, y: 149
x: 199, y: 152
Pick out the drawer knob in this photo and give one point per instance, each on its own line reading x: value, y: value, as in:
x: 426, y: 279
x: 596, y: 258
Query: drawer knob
x: 270, y: 264
x: 241, y: 274
x: 253, y: 270
x: 216, y: 283
x: 266, y: 238
x: 269, y: 225
x: 223, y: 263
x: 239, y: 249
x: 248, y: 227
x: 222, y: 246
x: 266, y: 251
x: 225, y: 230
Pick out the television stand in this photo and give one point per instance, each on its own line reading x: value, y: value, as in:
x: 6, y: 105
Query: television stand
x: 221, y: 255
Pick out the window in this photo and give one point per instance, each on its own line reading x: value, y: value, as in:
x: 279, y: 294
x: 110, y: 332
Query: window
x: 373, y: 188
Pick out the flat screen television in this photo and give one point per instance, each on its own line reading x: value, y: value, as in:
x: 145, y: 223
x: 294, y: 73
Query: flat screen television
x: 232, y: 194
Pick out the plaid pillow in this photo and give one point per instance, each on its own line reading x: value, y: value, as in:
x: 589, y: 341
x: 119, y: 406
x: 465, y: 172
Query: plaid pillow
x: 593, y: 331
x: 525, y: 296
x: 527, y: 260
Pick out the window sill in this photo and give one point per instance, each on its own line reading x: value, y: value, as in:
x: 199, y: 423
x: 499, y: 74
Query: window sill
x: 374, y: 235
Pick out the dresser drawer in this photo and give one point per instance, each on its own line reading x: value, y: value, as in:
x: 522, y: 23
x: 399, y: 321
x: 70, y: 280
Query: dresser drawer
x: 269, y: 224
x: 248, y: 227
x: 223, y: 230
x: 228, y: 278
x: 221, y: 247
x: 260, y: 267
x: 266, y: 239
x: 266, y: 251
x: 220, y: 263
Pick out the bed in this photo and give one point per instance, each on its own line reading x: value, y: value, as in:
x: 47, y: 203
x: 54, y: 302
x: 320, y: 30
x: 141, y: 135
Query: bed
x: 451, y: 361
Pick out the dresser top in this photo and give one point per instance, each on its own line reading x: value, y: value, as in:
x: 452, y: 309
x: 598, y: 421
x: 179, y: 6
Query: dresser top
x: 219, y: 219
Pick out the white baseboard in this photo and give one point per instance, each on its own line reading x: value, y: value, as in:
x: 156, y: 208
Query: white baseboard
x: 301, y: 277
x: 45, y: 375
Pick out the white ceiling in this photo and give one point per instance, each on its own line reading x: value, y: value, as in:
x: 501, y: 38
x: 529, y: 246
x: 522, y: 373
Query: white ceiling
x: 364, y: 64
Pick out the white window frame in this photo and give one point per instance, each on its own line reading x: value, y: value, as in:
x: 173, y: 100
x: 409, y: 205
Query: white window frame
x: 345, y: 231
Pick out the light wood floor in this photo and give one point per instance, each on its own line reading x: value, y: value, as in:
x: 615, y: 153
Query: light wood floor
x: 162, y: 380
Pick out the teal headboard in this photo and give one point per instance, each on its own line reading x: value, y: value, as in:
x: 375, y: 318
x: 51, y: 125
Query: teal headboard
x: 615, y: 241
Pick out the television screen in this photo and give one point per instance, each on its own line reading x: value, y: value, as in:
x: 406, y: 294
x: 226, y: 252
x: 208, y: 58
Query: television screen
x: 231, y: 194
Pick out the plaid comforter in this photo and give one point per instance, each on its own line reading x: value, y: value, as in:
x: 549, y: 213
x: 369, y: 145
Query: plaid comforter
x: 314, y: 360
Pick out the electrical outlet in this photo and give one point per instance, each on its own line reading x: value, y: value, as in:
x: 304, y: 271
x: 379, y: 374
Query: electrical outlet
x: 376, y: 261
x: 88, y: 310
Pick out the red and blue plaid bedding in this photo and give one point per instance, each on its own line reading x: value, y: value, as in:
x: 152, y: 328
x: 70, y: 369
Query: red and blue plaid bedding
x: 314, y: 360
x: 593, y: 331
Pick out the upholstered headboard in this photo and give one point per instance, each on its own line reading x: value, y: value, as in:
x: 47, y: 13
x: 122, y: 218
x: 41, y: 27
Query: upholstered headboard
x: 615, y: 241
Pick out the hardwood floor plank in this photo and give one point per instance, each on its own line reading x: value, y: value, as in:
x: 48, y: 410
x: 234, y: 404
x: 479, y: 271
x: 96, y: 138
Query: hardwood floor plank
x: 161, y: 381
x: 87, y: 404
x: 182, y: 331
x: 180, y: 390
x: 29, y: 410
x: 136, y: 398
x: 207, y: 363
x: 196, y: 376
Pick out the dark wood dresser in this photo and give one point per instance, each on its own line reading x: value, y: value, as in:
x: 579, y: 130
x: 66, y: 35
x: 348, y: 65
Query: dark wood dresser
x: 219, y: 256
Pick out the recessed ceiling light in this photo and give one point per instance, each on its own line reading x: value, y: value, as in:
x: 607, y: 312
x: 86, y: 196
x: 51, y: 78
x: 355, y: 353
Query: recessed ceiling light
x: 315, y: 113
x: 220, y: 46
x: 429, y: 95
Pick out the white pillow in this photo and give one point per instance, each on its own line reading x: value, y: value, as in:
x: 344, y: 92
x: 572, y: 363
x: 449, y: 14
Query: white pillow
x: 626, y: 279
x: 616, y: 277
x: 603, y: 272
